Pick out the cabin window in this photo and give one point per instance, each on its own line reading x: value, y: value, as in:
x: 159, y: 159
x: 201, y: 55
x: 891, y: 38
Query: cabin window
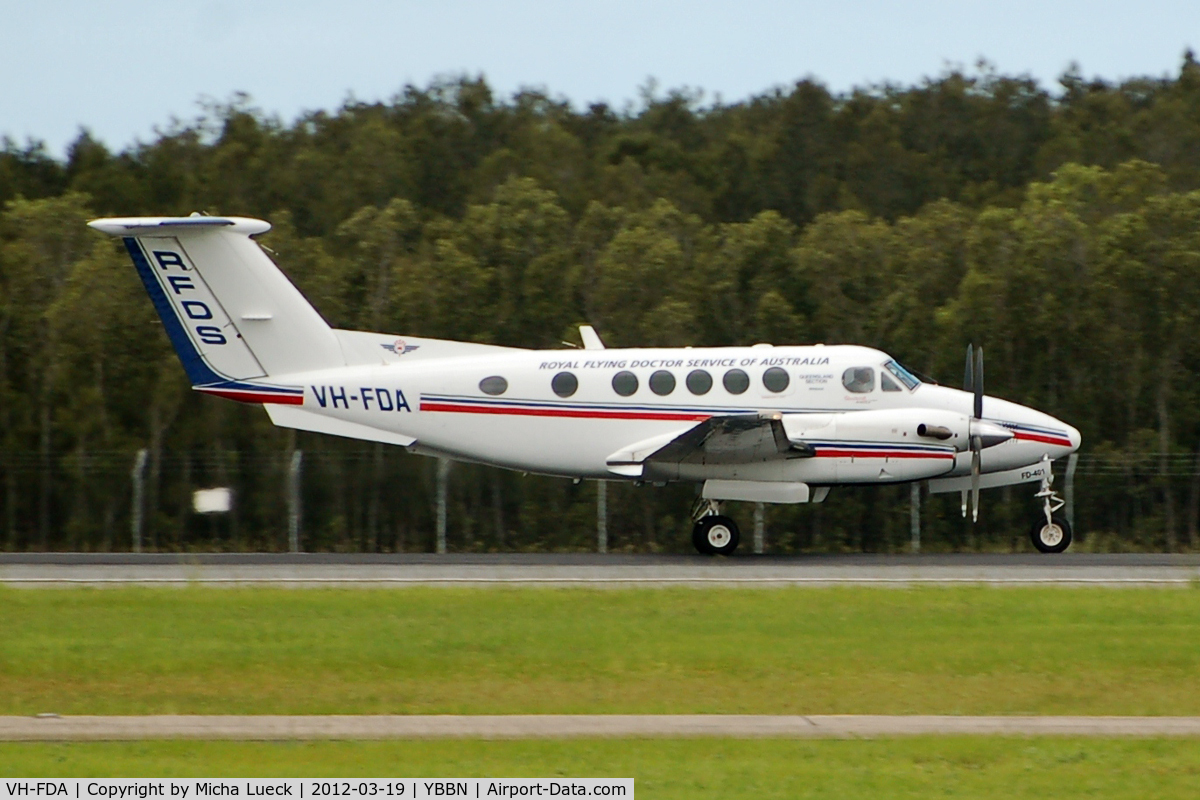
x: 859, y: 380
x: 493, y: 385
x: 776, y: 379
x: 887, y: 384
x: 736, y: 381
x: 903, y: 375
x: 662, y: 382
x: 625, y: 383
x: 699, y: 381
x: 564, y: 384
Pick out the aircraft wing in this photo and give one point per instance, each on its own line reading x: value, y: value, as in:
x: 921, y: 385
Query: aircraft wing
x: 728, y: 439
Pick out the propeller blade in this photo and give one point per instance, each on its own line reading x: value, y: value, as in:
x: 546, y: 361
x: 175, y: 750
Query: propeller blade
x: 969, y: 372
x: 978, y: 387
x: 975, y: 456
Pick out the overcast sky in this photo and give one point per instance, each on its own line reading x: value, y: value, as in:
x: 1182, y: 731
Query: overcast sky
x: 123, y: 67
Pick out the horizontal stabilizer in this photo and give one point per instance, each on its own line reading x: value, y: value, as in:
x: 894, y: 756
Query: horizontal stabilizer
x: 167, y: 226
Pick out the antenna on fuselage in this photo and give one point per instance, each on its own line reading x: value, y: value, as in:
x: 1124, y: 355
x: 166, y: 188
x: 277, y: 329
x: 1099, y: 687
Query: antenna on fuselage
x: 591, y: 339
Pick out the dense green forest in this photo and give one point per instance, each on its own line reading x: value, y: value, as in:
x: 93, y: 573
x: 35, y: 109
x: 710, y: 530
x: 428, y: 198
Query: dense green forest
x: 1058, y: 227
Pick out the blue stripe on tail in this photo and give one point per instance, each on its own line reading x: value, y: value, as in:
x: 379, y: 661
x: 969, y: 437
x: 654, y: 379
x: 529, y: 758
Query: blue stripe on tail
x: 198, y: 370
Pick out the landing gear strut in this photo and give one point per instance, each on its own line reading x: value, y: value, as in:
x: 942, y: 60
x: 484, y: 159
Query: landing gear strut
x: 1051, y: 533
x: 713, y: 534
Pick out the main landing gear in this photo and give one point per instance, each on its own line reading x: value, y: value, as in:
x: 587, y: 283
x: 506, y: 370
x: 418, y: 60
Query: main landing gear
x: 714, y: 534
x: 1051, y: 533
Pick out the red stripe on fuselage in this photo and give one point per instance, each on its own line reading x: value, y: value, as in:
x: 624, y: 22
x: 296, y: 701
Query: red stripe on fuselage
x: 1044, y: 439
x: 458, y: 408
x: 257, y: 397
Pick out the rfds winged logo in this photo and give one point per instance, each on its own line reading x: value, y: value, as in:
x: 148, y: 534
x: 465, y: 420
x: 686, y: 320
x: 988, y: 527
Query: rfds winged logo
x: 399, y: 347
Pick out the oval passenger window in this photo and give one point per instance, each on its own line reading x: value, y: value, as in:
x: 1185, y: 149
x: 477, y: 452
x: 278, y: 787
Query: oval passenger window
x: 736, y: 381
x: 699, y: 381
x: 662, y: 382
x: 625, y: 383
x: 776, y: 379
x: 493, y: 385
x: 564, y: 384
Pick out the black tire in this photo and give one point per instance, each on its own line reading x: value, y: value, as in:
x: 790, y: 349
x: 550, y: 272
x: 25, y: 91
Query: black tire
x: 716, y: 535
x: 1052, y: 538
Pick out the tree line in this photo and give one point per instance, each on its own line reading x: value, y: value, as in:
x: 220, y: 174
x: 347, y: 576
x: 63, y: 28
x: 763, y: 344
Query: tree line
x: 1059, y: 230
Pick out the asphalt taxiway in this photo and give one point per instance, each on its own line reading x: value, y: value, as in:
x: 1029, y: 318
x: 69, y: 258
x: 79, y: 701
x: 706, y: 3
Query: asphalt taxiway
x: 591, y: 569
x: 549, y: 726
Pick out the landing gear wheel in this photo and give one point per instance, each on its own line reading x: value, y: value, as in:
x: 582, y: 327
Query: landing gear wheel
x: 1052, y: 538
x: 715, y: 535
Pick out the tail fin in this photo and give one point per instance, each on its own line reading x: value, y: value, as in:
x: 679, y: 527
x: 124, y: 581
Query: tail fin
x: 235, y: 320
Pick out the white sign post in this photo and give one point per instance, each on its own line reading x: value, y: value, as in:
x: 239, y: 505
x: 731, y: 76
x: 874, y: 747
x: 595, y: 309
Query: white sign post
x: 213, y: 501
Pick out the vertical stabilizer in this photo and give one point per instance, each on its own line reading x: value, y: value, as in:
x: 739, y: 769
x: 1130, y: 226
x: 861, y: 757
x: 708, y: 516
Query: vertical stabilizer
x: 235, y: 320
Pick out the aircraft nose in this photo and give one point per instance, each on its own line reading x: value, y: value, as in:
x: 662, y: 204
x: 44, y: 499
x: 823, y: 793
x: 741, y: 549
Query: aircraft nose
x: 1060, y: 438
x: 1074, y: 436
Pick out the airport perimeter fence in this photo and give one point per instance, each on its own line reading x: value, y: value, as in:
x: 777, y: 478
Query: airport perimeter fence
x: 357, y: 497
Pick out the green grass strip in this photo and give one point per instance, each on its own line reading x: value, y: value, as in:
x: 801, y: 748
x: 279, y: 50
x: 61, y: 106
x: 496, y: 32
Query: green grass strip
x: 961, y: 650
x: 979, y: 767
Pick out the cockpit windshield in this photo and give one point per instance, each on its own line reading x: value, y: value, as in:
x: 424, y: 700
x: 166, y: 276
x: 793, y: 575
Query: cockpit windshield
x: 903, y: 375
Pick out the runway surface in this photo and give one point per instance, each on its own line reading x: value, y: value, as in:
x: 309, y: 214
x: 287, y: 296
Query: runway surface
x: 84, y: 728
x: 590, y: 569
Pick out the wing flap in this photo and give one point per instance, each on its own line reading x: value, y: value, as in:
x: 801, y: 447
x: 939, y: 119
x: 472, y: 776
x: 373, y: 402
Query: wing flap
x: 720, y: 440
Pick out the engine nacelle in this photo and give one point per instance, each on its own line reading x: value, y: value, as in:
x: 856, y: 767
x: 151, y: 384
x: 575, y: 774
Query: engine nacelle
x: 883, y: 445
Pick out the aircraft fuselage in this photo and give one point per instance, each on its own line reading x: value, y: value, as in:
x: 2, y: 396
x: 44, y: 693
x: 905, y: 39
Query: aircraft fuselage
x: 532, y: 427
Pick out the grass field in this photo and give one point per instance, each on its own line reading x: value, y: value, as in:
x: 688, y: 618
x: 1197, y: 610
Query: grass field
x: 987, y: 767
x: 965, y: 650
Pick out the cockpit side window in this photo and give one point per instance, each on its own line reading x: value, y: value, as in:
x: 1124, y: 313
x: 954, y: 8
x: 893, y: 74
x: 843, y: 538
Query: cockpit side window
x: 902, y: 375
x: 887, y: 384
x: 859, y: 380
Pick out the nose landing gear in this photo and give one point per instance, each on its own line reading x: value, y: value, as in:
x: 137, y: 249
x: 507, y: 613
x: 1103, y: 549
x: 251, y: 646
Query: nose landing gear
x: 713, y: 534
x: 1053, y: 536
x: 1051, y: 533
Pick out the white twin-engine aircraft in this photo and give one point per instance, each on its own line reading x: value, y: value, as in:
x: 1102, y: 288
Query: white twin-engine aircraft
x: 758, y: 424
